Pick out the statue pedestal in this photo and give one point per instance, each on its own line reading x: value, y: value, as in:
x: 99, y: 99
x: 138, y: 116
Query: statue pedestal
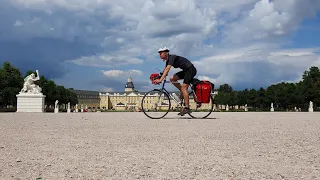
x: 310, y: 109
x: 27, y: 102
x: 56, y: 110
x: 272, y: 109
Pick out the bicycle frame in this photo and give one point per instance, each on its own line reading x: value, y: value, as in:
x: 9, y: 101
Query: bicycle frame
x: 163, y: 90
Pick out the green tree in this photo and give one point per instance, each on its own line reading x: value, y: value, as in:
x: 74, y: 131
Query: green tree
x: 243, y: 97
x: 311, y: 81
x: 225, y: 88
x: 261, y: 100
x: 225, y: 95
x: 252, y: 100
x: 11, y: 82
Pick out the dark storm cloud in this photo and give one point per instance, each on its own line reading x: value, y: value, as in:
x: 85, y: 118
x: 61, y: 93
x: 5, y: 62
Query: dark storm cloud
x: 37, y: 39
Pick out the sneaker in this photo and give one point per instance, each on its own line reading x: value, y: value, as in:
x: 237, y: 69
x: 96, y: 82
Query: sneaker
x: 184, y: 111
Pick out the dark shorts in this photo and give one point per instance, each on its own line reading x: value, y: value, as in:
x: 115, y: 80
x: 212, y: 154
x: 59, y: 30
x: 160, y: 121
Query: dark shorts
x: 187, y: 75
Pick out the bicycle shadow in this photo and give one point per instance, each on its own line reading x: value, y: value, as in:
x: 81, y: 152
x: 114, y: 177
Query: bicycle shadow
x: 189, y: 118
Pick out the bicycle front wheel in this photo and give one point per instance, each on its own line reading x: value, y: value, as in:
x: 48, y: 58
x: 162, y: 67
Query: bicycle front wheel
x: 202, y: 110
x: 155, y: 104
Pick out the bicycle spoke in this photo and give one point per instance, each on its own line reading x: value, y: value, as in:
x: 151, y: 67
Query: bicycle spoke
x: 200, y: 110
x: 155, y: 104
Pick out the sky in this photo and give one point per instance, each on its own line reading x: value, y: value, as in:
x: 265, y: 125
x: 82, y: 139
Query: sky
x: 98, y: 44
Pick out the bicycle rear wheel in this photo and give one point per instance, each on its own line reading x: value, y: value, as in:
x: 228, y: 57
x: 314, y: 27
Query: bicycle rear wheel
x: 202, y: 110
x: 155, y: 104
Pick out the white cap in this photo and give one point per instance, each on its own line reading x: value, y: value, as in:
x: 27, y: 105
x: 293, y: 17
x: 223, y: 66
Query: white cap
x: 163, y: 49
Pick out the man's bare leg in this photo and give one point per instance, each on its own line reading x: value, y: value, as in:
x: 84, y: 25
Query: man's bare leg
x: 174, y: 80
x: 184, y: 90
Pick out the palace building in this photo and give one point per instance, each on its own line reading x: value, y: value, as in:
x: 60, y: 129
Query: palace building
x: 90, y: 99
x: 130, y: 99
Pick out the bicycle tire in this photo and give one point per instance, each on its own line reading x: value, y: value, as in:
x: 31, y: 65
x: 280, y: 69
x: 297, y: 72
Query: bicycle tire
x: 146, y: 112
x: 210, y: 111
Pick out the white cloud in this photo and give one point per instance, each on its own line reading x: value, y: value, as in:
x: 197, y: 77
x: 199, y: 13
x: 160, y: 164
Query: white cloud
x: 18, y: 23
x: 120, y: 73
x: 108, y: 89
x: 106, y: 61
x: 300, y: 58
x: 213, y: 80
x: 270, y: 19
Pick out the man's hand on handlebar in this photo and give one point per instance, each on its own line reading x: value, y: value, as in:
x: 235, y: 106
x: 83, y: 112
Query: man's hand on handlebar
x: 157, y: 81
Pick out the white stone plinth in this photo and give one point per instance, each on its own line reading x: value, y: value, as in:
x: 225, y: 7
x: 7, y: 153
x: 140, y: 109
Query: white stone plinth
x: 310, y: 109
x: 56, y: 110
x: 28, y: 102
x: 68, y: 110
x: 272, y: 109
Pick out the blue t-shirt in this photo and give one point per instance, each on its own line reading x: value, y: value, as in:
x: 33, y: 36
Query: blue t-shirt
x: 178, y: 62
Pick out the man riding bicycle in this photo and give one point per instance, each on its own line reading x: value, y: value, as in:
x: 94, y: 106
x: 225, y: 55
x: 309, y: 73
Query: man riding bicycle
x: 187, y: 74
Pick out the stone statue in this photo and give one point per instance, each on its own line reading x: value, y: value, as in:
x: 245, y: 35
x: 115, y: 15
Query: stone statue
x: 56, y: 108
x: 68, y: 108
x: 29, y: 86
x: 272, y: 109
x: 77, y: 108
x: 310, y: 106
x: 56, y: 104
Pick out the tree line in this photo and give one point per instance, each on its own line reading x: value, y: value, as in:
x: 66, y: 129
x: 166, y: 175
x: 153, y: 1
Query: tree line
x: 11, y: 83
x: 283, y: 95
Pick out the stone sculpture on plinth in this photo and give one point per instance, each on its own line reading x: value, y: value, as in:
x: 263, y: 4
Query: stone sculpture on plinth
x: 30, y: 98
x: 56, y: 107
x: 310, y: 106
x: 77, y: 108
x: 68, y: 108
x: 272, y: 109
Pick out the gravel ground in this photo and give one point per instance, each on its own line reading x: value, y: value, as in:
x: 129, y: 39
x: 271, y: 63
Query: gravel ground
x: 269, y: 145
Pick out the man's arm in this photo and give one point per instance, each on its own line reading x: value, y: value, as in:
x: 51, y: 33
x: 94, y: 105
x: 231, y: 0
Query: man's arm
x: 165, y: 72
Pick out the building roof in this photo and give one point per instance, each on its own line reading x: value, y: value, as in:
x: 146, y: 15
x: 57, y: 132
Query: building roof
x: 129, y: 85
x: 85, y: 92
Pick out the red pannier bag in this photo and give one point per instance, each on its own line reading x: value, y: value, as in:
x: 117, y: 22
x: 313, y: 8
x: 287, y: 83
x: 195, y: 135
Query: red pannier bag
x: 203, y: 91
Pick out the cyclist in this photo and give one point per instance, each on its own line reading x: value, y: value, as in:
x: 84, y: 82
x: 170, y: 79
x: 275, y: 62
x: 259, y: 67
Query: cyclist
x: 187, y: 74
